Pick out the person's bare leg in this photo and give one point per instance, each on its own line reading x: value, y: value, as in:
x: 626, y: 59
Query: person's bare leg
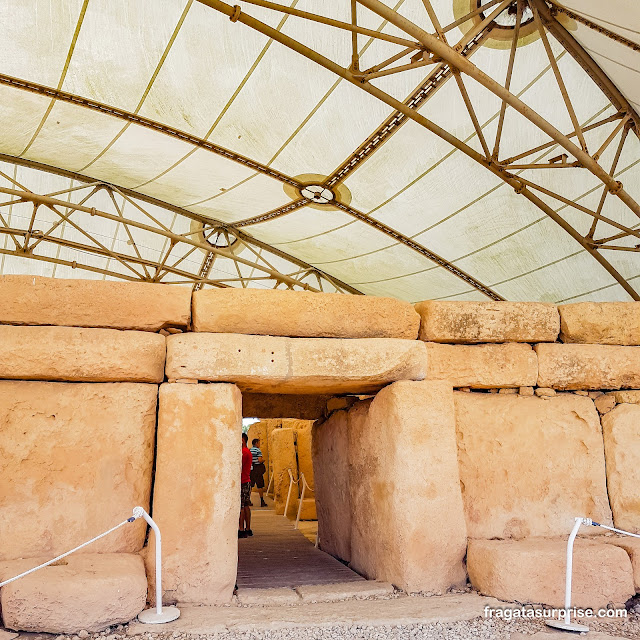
x: 247, y: 518
x: 241, y: 521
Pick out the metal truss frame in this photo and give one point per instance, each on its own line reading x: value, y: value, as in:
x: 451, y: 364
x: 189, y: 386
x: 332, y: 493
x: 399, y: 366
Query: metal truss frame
x: 432, y: 48
x: 214, y: 239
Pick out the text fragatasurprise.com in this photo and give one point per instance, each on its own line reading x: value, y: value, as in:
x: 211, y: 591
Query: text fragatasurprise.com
x: 532, y: 612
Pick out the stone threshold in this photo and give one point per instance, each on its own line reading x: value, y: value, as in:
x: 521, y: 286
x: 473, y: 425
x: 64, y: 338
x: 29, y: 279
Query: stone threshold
x: 401, y: 610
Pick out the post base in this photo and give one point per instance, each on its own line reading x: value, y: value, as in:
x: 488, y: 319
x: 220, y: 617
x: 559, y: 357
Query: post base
x: 151, y: 616
x: 567, y: 626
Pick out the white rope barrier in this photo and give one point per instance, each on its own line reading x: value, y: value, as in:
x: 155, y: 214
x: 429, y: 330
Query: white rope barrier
x: 64, y: 555
x: 566, y: 623
x: 304, y: 486
x: 159, y: 615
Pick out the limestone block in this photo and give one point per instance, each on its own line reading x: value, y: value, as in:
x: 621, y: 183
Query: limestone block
x: 588, y: 366
x: 455, y: 321
x: 621, y: 430
x: 283, y: 458
x: 632, y: 547
x: 528, y: 465
x: 75, y: 459
x: 196, y: 497
x: 93, y: 303
x: 605, y: 403
x: 533, y: 571
x: 302, y: 314
x: 295, y: 365
x: 482, y: 366
x: 85, y: 355
x: 272, y: 405
x: 631, y: 397
x: 403, y: 478
x: 86, y: 591
x: 303, y: 446
x: 344, y: 591
x: 330, y: 454
x: 308, y: 509
x: 600, y: 322
x: 268, y: 597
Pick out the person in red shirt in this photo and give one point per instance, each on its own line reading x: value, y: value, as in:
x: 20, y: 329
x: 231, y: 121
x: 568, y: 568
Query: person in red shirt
x: 244, y: 526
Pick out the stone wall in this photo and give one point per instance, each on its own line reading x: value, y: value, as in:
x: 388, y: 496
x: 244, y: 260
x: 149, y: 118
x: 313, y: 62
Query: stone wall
x: 406, y: 515
x: 74, y: 461
x: 546, y: 397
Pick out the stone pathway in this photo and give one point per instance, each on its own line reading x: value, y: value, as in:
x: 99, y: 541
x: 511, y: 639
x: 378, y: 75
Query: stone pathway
x: 280, y: 556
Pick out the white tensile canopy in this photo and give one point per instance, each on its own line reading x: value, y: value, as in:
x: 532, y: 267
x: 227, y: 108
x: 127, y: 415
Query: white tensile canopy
x: 445, y: 149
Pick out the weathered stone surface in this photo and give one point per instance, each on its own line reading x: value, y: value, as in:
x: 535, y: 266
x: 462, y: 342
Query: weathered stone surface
x: 268, y: 596
x: 632, y: 547
x: 545, y: 392
x: 533, y: 571
x: 631, y: 397
x: 526, y: 391
x: 93, y: 303
x: 308, y: 511
x: 303, y: 445
x: 84, y: 355
x: 621, y: 430
x: 295, y: 365
x: 482, y: 366
x: 343, y: 591
x: 74, y: 460
x: 302, y: 314
x: 196, y: 497
x: 330, y: 454
x: 403, y: 478
x: 283, y: 459
x: 588, y: 366
x: 529, y: 465
x: 89, y: 591
x: 605, y: 403
x: 271, y: 405
x: 600, y: 322
x: 458, y: 322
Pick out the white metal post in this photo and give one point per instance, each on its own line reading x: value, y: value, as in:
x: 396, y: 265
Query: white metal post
x: 160, y: 615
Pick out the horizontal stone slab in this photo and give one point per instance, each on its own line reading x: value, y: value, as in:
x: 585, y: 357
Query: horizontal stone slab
x: 81, y: 355
x: 93, y: 303
x: 600, y: 322
x: 630, y: 397
x: 302, y: 314
x: 344, y: 591
x: 85, y: 591
x: 460, y: 322
x: 533, y: 571
x: 266, y: 364
x: 588, y: 366
x: 483, y: 366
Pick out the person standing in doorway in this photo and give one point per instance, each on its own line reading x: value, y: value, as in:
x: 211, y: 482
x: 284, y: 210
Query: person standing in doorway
x: 244, y: 525
x: 257, y: 470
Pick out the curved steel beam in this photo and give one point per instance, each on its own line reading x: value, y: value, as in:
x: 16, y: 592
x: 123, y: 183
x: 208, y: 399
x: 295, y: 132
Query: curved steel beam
x: 134, y: 118
x: 455, y: 59
x: 467, y: 67
x: 245, y: 237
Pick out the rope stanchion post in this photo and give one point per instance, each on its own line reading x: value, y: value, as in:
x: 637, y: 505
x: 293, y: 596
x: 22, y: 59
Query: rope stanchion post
x: 566, y: 623
x: 160, y: 614
x: 291, y: 481
x: 304, y: 486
